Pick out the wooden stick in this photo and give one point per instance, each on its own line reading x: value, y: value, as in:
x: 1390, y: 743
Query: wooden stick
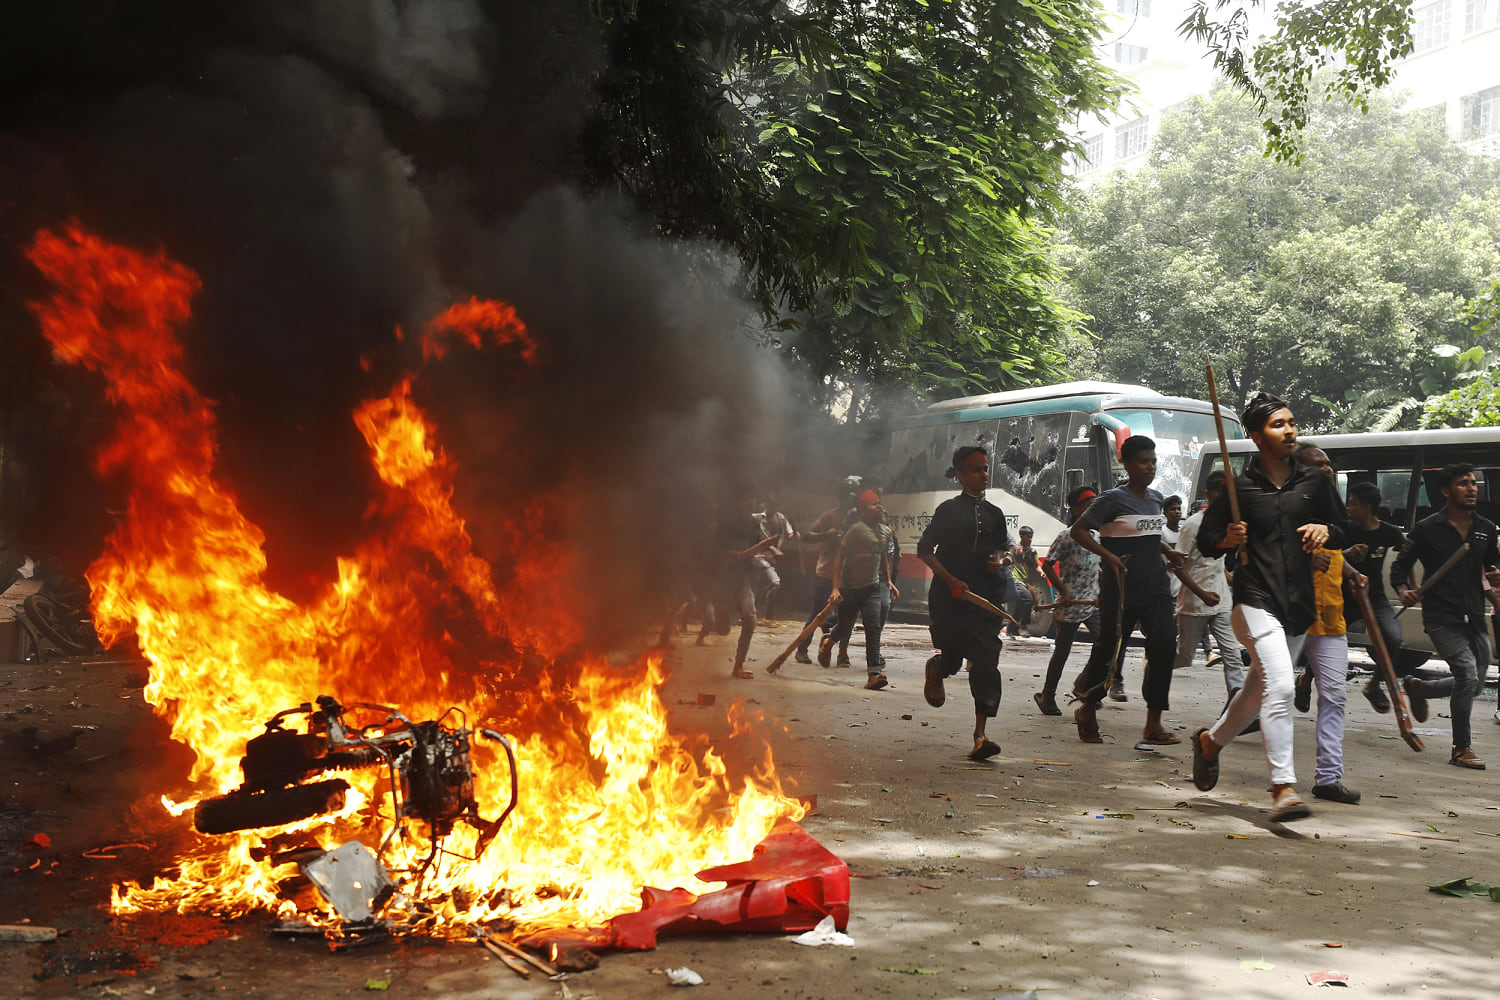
x: 546, y: 968
x: 1428, y: 582
x: 1234, y: 498
x: 806, y: 631
x: 1067, y: 604
x: 519, y: 968
x: 973, y: 598
x: 1423, y: 836
x: 1387, y: 669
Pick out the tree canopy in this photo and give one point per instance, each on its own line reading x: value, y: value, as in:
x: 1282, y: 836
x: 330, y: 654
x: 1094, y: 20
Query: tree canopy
x: 1341, y: 284
x: 883, y: 169
x: 1360, y: 39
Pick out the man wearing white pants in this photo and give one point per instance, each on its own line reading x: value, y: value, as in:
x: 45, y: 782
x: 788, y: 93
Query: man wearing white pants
x: 1287, y: 512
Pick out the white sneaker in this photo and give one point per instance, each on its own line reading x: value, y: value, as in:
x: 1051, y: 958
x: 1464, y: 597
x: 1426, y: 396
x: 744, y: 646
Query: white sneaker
x: 1497, y: 718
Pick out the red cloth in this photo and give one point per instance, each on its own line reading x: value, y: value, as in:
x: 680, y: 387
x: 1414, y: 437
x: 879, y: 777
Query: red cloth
x: 789, y: 885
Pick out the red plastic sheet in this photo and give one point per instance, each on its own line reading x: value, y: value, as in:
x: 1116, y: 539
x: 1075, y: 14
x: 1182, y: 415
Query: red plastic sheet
x: 788, y: 885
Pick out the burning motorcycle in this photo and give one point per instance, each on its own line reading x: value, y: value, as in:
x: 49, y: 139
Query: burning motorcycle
x: 430, y: 777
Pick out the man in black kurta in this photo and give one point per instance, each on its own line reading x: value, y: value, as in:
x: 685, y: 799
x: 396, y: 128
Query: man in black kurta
x: 963, y: 544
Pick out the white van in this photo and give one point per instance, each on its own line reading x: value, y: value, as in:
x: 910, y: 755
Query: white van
x: 1404, y: 465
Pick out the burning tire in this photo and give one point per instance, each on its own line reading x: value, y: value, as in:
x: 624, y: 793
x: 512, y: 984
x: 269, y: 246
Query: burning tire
x: 70, y: 629
x: 250, y: 810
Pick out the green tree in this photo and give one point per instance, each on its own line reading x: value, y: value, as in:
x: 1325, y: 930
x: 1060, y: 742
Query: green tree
x: 1362, y: 39
x: 883, y: 170
x: 1476, y: 403
x: 1340, y: 284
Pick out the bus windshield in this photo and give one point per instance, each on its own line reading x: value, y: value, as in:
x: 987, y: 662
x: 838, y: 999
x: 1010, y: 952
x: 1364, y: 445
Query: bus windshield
x: 1178, y: 435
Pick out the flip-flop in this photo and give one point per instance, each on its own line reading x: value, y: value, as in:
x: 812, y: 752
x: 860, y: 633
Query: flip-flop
x: 985, y: 750
x: 1205, y: 771
x: 1161, y: 740
x: 742, y: 675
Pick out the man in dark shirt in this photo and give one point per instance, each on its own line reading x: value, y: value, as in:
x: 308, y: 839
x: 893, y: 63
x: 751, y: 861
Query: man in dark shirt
x: 1369, y: 541
x: 1288, y: 511
x: 1453, y: 607
x: 1133, y: 591
x: 963, y: 544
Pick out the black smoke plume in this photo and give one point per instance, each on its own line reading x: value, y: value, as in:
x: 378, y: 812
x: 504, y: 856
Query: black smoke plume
x: 333, y: 171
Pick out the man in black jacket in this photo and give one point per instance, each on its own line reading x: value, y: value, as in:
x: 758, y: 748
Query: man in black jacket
x: 1453, y: 607
x: 1288, y: 511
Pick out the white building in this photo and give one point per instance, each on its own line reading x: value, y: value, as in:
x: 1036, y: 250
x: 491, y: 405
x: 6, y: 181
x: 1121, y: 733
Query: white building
x: 1455, y: 64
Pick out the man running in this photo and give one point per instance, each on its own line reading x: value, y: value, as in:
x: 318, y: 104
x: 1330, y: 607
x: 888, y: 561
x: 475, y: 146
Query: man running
x: 1453, y: 606
x: 1288, y: 511
x: 1133, y: 591
x: 863, y: 560
x: 964, y: 544
x: 1074, y: 571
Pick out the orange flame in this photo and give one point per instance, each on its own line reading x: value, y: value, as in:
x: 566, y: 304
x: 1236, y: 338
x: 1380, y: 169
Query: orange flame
x: 610, y: 800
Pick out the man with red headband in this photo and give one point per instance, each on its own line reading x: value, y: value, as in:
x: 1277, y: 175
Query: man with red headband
x: 964, y: 544
x: 863, y: 561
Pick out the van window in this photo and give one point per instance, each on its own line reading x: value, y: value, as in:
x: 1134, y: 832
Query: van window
x: 1432, y: 495
x: 1237, y: 462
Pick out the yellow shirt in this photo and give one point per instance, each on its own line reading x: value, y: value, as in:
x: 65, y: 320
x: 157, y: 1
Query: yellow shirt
x: 1328, y: 596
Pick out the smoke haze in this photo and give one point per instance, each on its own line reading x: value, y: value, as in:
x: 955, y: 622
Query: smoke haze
x: 333, y: 171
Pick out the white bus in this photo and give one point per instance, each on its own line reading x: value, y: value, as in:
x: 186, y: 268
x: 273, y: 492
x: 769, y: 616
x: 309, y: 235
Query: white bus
x: 1043, y: 442
x: 1404, y: 465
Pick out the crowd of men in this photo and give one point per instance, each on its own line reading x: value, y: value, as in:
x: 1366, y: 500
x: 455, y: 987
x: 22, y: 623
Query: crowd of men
x: 1272, y: 568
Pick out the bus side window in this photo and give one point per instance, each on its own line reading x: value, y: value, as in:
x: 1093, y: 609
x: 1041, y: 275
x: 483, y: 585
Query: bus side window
x: 1081, y: 457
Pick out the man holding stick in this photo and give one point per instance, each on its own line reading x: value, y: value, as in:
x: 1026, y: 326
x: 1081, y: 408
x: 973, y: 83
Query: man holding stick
x: 1453, y: 602
x: 1132, y: 594
x: 1288, y: 511
x: 863, y: 561
x: 964, y: 544
x: 1074, y: 571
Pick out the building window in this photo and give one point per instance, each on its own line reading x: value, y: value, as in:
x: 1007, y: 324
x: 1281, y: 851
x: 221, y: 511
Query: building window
x: 1429, y: 26
x: 1091, y: 155
x: 1130, y: 140
x: 1140, y: 8
x: 1480, y: 114
x: 1481, y: 14
x: 1129, y: 55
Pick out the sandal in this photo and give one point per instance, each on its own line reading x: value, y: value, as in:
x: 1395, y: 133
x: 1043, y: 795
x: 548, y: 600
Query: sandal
x: 985, y: 750
x: 741, y: 674
x: 1161, y: 740
x: 1205, y: 771
x: 1047, y: 703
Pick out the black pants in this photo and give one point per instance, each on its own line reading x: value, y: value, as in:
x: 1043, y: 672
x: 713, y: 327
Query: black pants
x: 1157, y: 621
x: 1063, y: 646
x: 984, y: 677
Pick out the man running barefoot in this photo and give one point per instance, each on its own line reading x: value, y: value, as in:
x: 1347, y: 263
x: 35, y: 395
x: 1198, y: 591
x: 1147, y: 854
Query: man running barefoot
x: 964, y: 544
x: 1288, y: 511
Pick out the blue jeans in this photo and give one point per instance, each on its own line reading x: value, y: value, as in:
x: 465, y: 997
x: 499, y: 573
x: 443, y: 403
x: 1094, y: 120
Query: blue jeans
x: 1467, y: 650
